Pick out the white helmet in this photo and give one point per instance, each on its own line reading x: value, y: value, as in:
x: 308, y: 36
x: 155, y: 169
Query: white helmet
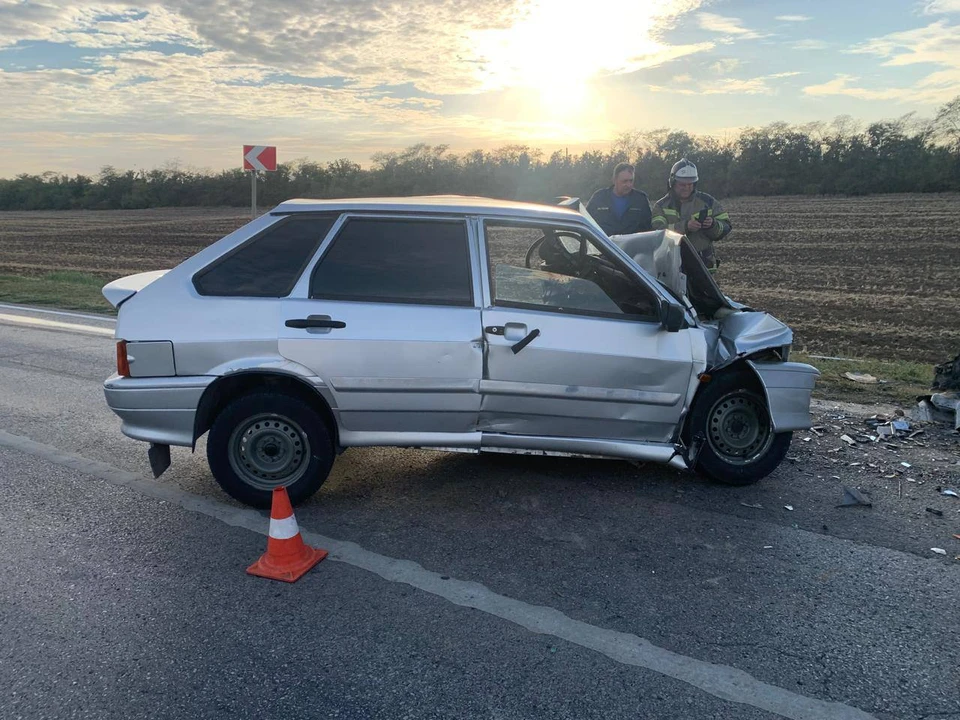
x: 683, y: 170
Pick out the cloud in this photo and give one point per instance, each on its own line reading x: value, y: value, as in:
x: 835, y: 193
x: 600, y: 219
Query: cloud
x: 726, y: 26
x: 809, y: 45
x: 794, y: 18
x: 936, y: 44
x: 936, y: 7
x: 728, y: 86
x: 725, y: 66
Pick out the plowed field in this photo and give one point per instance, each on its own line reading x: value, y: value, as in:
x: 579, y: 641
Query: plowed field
x: 855, y: 277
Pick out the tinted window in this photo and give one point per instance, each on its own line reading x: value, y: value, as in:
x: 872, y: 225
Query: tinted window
x: 417, y: 261
x: 552, y: 268
x: 270, y: 264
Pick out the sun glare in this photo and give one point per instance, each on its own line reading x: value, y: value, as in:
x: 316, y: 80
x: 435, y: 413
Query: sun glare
x: 557, y: 48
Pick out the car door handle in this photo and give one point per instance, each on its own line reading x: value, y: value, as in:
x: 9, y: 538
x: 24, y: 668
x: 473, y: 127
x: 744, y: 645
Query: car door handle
x: 495, y: 329
x: 531, y: 336
x: 301, y: 323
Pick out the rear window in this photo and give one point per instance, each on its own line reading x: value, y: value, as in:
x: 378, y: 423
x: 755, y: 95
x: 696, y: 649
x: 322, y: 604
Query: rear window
x: 268, y: 265
x: 404, y: 261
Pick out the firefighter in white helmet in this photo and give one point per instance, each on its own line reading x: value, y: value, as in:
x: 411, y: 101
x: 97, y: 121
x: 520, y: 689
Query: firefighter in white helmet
x: 693, y: 213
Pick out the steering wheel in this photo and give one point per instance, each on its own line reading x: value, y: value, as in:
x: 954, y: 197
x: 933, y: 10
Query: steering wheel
x: 554, y: 250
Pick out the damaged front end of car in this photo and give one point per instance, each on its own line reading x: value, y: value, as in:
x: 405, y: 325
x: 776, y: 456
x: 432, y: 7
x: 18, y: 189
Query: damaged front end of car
x: 737, y: 337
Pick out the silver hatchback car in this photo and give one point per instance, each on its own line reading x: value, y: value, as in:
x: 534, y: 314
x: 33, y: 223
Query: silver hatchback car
x: 454, y: 323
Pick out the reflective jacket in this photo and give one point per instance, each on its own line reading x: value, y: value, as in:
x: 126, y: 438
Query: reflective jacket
x: 636, y: 218
x: 670, y: 212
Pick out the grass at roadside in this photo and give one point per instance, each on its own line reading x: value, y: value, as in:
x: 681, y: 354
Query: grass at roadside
x: 65, y: 289
x: 900, y: 381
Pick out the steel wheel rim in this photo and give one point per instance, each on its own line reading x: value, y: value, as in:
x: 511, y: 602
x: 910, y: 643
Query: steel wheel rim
x: 269, y: 451
x: 738, y: 428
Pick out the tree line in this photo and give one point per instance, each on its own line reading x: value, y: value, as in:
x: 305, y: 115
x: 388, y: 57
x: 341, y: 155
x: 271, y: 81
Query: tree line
x: 906, y: 154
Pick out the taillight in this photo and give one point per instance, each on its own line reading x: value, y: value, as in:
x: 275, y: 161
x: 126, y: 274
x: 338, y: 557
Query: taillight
x: 123, y: 364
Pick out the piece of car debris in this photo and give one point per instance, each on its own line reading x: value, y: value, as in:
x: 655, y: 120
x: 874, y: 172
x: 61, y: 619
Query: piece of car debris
x: 939, y: 551
x: 848, y: 440
x: 951, y: 492
x: 900, y: 425
x: 906, y: 464
x: 934, y: 511
x: 861, y: 378
x: 788, y: 507
x: 853, y: 497
x: 755, y: 506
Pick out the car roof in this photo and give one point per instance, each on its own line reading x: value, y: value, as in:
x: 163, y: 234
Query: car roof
x: 454, y: 204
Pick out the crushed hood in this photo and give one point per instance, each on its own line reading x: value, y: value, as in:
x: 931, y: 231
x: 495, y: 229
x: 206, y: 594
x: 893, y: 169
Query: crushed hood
x: 745, y: 332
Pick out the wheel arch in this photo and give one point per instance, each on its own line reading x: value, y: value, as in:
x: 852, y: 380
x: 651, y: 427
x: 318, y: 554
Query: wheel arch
x: 227, y: 388
x: 741, y: 366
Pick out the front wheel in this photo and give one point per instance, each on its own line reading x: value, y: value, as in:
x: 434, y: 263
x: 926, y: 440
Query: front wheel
x: 731, y: 423
x: 267, y: 440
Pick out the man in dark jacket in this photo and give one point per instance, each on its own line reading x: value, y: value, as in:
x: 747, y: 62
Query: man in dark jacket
x: 620, y: 209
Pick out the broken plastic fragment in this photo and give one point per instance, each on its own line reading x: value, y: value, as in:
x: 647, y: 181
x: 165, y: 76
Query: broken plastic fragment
x: 906, y: 464
x: 861, y: 378
x: 900, y: 425
x: 848, y: 440
x: 788, y: 507
x: 755, y: 506
x: 951, y: 492
x: 852, y: 497
x: 939, y: 551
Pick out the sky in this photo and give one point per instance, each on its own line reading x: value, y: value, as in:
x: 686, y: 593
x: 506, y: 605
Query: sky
x: 147, y: 84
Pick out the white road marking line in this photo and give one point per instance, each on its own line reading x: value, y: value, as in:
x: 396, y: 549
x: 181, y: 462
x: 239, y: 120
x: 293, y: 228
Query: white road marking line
x: 44, y: 311
x: 54, y: 325
x: 722, y: 681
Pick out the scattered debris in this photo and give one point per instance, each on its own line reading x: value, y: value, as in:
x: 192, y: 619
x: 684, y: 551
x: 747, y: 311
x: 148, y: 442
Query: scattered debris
x: 768, y: 547
x: 865, y: 378
x: 957, y: 537
x: 848, y: 440
x: 946, y: 376
x: 900, y: 425
x: 755, y: 506
x: 788, y: 507
x: 906, y: 464
x: 853, y: 497
x: 934, y: 511
x: 885, y: 431
x: 951, y: 492
x: 939, y: 551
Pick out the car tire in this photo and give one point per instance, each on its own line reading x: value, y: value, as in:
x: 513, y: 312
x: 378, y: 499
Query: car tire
x: 730, y: 422
x: 266, y: 440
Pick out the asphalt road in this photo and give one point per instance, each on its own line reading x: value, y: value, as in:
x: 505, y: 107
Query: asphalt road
x: 458, y: 586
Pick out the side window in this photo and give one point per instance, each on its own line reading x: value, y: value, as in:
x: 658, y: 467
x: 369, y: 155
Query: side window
x: 403, y: 261
x: 270, y: 264
x: 551, y: 268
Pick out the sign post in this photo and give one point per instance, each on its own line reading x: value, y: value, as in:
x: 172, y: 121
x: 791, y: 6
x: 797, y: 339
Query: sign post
x: 258, y: 157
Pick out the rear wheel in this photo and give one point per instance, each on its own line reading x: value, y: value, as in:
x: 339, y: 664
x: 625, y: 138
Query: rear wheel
x: 268, y: 440
x: 731, y: 423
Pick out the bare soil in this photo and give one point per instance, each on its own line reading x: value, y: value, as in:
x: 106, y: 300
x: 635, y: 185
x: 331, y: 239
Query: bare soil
x: 869, y: 277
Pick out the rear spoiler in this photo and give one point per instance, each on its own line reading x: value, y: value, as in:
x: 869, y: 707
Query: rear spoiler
x: 122, y: 289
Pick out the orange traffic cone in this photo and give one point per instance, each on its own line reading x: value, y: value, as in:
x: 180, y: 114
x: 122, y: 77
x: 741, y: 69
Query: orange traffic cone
x: 287, y: 557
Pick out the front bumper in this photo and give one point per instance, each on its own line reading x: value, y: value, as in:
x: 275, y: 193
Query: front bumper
x: 156, y: 410
x: 788, y: 386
